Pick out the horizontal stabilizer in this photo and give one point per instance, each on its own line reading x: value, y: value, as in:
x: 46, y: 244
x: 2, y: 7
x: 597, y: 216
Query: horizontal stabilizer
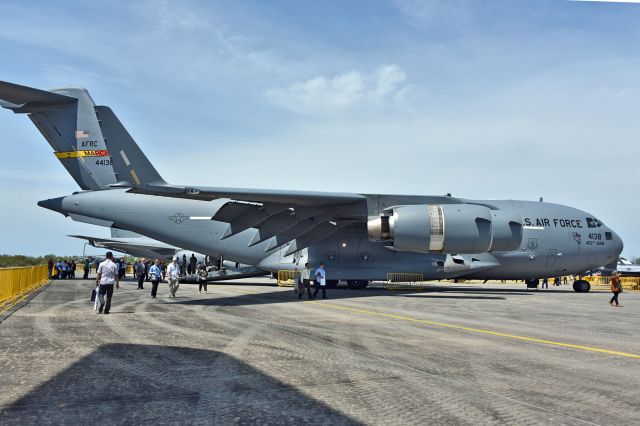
x: 24, y: 99
x: 139, y: 246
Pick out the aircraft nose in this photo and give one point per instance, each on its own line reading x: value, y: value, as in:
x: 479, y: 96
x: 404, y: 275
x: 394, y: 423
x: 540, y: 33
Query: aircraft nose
x: 617, y: 242
x: 54, y: 204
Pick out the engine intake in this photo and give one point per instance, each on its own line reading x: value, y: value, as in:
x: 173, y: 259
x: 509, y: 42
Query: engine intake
x: 447, y: 228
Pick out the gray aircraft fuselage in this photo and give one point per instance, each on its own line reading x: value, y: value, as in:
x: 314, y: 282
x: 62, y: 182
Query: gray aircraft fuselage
x: 556, y: 239
x: 360, y: 237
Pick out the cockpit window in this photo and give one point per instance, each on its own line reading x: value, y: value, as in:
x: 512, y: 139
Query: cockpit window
x: 593, y: 223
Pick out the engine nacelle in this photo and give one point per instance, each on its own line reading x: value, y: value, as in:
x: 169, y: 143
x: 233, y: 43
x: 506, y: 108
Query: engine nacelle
x: 447, y: 228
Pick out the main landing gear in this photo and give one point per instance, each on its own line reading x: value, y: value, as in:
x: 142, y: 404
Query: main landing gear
x: 581, y: 286
x: 357, y: 284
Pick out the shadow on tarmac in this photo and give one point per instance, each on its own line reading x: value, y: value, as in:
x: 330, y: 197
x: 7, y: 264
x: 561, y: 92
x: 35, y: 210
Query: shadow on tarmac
x: 340, y: 293
x: 133, y: 384
x: 269, y: 297
x: 419, y: 296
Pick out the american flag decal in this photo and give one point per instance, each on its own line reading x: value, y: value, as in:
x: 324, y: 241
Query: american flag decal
x: 81, y: 134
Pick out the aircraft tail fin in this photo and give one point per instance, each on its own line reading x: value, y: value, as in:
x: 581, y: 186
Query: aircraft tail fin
x: 68, y: 120
x: 131, y: 166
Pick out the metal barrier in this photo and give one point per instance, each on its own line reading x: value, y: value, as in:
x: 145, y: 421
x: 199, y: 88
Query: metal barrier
x: 287, y: 278
x: 17, y: 283
x: 404, y: 277
x: 628, y: 283
x: 404, y: 281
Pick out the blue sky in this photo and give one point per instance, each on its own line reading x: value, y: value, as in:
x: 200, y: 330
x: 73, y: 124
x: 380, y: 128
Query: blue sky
x: 482, y: 99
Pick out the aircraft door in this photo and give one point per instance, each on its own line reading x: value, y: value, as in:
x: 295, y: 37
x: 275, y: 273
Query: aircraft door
x: 552, y: 258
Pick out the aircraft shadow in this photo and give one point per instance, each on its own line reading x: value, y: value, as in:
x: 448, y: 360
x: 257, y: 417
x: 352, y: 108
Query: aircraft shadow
x: 270, y: 297
x: 134, y: 384
x: 340, y: 293
x: 455, y: 297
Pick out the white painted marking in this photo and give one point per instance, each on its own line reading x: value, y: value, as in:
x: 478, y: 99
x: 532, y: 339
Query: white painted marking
x: 124, y: 157
x: 200, y: 217
x: 539, y: 228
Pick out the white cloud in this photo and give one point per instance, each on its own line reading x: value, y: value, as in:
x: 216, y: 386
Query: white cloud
x: 331, y: 95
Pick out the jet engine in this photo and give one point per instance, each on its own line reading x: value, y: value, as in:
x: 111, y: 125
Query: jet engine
x: 447, y: 228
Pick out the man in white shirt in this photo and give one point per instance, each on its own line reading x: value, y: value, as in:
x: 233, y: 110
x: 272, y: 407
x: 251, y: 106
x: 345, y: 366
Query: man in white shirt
x: 305, y: 278
x: 321, y: 281
x: 173, y: 275
x: 107, y: 277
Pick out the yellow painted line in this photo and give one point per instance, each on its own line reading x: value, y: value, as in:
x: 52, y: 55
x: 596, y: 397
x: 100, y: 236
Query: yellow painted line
x: 82, y: 153
x: 476, y: 330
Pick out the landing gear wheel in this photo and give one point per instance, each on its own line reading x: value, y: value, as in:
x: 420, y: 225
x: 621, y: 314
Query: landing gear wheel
x: 357, y: 284
x: 532, y: 283
x: 332, y: 283
x: 581, y: 286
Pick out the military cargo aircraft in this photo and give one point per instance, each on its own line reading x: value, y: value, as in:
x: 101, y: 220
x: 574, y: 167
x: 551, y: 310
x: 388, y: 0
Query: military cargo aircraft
x: 627, y: 268
x: 360, y: 237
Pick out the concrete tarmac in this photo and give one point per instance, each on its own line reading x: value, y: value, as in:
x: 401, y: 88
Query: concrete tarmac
x: 250, y: 353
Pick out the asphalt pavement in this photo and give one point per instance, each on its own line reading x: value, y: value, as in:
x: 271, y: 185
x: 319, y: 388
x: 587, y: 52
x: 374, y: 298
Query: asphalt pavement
x: 248, y: 352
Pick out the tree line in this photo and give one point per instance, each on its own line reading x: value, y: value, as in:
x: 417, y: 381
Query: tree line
x: 8, y: 260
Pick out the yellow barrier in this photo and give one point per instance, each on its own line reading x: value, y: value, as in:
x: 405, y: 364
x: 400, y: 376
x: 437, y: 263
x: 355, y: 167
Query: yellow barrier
x: 628, y: 283
x: 17, y: 283
x: 287, y: 278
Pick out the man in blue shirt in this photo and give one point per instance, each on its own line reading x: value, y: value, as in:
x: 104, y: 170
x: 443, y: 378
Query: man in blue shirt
x: 321, y: 281
x: 156, y: 276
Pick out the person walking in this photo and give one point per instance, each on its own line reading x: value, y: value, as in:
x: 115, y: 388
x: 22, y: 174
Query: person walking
x: 192, y: 264
x: 141, y: 274
x: 183, y: 265
x: 173, y: 273
x: 305, y: 279
x: 202, y: 277
x: 86, y: 266
x: 58, y: 271
x: 156, y: 276
x: 616, y: 288
x: 123, y: 268
x: 545, y: 283
x: 106, y: 278
x: 321, y: 281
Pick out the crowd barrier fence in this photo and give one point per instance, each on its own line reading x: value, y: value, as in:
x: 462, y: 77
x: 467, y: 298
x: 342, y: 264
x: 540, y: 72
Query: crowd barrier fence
x: 17, y: 283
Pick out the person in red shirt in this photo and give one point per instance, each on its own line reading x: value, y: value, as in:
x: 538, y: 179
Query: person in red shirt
x: 616, y: 288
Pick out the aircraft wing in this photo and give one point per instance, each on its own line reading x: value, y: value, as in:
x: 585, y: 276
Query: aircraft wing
x: 300, y: 218
x: 280, y: 216
x: 142, y: 248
